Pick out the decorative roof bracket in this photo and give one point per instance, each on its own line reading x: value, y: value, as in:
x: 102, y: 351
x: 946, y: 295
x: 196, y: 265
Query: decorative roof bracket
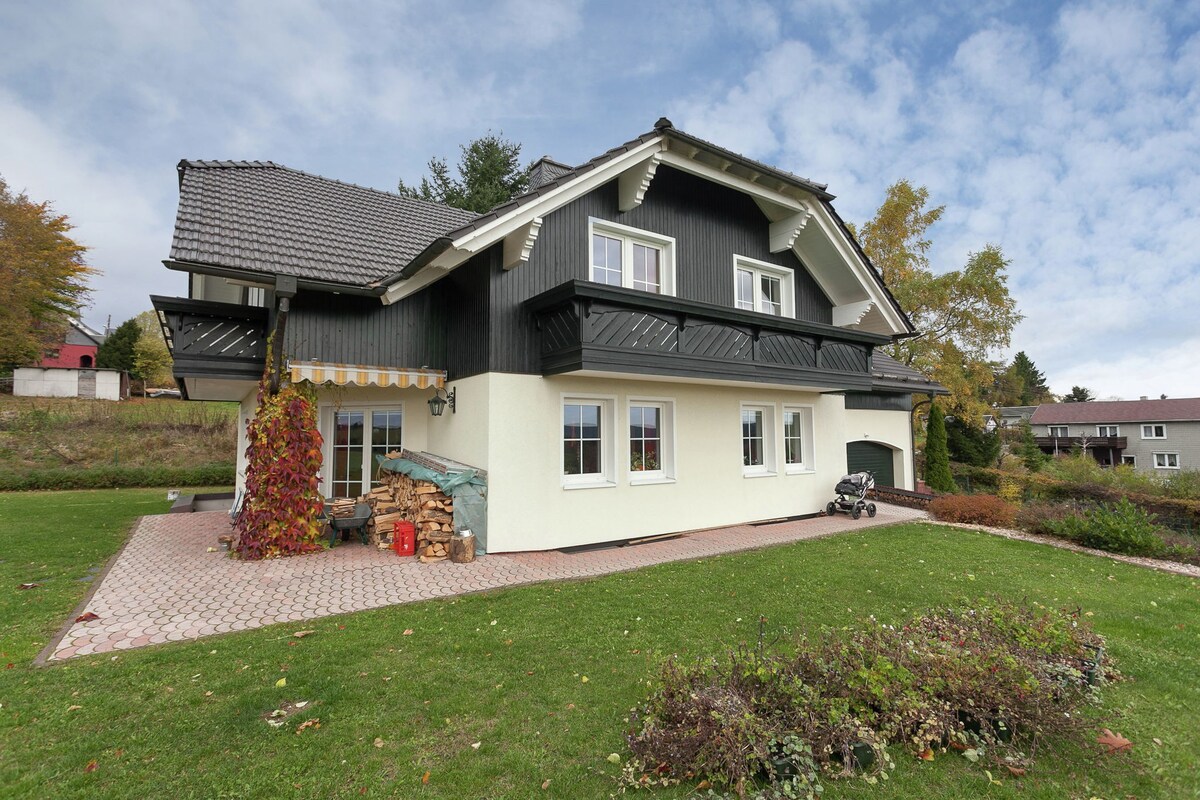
x: 633, y: 183
x: 784, y: 232
x: 518, y: 245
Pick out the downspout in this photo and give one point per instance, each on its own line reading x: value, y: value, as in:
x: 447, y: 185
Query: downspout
x: 285, y: 290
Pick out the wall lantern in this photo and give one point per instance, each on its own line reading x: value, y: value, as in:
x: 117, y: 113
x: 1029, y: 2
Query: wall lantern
x: 439, y: 401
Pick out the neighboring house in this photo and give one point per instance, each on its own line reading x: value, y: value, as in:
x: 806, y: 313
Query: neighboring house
x: 78, y: 349
x: 1012, y: 416
x: 670, y: 336
x: 87, y: 384
x: 1155, y: 436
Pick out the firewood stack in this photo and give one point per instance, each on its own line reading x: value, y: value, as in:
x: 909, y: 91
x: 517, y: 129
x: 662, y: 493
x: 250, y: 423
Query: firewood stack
x: 342, y: 507
x: 424, y: 504
x: 385, y: 513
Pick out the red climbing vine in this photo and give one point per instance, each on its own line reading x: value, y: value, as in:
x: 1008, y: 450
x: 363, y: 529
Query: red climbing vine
x: 280, y: 514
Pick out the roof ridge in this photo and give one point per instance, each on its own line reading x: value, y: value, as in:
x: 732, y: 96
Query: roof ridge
x: 244, y: 164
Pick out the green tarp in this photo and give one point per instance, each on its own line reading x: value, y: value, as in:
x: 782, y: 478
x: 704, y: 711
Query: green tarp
x: 468, y: 490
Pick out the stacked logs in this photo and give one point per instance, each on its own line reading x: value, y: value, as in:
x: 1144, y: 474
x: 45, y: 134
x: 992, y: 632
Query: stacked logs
x: 385, y: 513
x: 429, y: 509
x: 342, y: 507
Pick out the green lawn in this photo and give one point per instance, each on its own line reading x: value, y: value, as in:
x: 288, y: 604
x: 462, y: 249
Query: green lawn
x: 505, y: 669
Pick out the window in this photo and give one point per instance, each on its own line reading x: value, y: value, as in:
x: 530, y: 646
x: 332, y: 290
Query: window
x: 1059, y: 430
x: 651, y: 445
x: 635, y: 259
x: 355, y: 444
x: 758, y: 440
x: 798, y: 438
x: 1108, y: 430
x: 1166, y: 460
x: 587, y: 441
x: 762, y: 287
x: 1130, y: 460
x: 1154, y: 431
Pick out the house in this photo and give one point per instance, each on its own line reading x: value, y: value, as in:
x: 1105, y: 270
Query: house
x: 1012, y: 416
x: 78, y: 349
x: 1155, y: 436
x: 669, y: 336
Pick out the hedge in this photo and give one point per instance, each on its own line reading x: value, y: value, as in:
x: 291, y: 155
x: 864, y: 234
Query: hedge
x: 111, y: 477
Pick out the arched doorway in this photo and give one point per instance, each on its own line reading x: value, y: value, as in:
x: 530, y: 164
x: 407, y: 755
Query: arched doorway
x: 872, y: 457
x: 85, y: 362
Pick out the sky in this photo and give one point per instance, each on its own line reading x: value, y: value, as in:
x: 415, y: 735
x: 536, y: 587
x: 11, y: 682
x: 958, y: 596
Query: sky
x: 1067, y: 134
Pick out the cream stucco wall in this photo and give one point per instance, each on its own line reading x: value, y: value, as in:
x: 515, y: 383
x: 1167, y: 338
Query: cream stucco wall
x: 891, y: 428
x: 529, y: 508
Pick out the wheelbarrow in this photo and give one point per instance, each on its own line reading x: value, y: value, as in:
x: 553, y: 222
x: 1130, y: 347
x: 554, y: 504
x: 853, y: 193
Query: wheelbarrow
x: 355, y: 522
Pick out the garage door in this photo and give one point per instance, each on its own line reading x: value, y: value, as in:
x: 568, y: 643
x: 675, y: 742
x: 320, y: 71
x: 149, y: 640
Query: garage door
x: 871, y: 457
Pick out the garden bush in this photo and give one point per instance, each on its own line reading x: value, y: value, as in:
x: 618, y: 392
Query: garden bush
x: 974, y: 509
x: 1037, y: 516
x: 1120, y: 527
x: 772, y: 723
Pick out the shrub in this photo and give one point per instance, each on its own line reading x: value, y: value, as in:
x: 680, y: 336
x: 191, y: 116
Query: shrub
x: 1181, y: 548
x: 974, y: 509
x: 1184, y: 485
x: 998, y: 674
x: 1039, y: 516
x: 116, y: 478
x: 937, y: 457
x: 1116, y: 528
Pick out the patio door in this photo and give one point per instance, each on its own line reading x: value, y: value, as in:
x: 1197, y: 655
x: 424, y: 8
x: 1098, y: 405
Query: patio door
x: 359, y: 434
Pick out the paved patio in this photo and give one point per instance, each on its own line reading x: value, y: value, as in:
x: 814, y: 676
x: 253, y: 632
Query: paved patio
x: 165, y: 586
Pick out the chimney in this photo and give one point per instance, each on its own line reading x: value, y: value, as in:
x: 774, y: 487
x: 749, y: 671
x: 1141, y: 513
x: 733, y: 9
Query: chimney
x: 1143, y: 397
x: 545, y: 170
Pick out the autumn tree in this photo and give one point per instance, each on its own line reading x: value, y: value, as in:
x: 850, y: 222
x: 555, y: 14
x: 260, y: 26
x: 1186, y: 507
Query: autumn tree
x: 1078, y: 394
x: 489, y: 173
x: 961, y: 315
x: 43, y: 277
x: 151, y: 359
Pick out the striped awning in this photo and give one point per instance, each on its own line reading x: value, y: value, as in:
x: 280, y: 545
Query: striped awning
x: 363, y: 375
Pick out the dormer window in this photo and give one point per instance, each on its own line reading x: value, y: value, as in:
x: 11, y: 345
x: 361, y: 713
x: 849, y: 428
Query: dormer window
x: 632, y: 258
x: 762, y: 287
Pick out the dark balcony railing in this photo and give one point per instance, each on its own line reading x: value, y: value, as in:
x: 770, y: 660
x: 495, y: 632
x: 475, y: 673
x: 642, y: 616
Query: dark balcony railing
x: 213, y: 340
x: 589, y: 326
x: 1066, y: 443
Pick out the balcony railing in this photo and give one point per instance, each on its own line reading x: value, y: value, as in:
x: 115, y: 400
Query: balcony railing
x: 213, y: 340
x: 589, y: 326
x: 1065, y: 443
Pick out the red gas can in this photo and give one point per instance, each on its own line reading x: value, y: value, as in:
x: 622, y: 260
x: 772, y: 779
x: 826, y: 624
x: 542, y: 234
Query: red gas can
x: 404, y: 538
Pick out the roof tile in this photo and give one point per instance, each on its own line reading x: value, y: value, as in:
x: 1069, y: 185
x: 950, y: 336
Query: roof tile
x: 1179, y: 409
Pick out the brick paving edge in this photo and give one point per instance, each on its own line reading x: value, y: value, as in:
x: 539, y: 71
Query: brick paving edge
x: 44, y: 658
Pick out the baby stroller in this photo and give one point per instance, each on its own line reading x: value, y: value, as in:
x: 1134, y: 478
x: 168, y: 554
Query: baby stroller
x: 851, y: 495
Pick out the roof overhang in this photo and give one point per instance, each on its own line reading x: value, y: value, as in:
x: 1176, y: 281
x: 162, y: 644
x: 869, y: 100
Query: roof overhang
x: 798, y: 212
x: 269, y: 279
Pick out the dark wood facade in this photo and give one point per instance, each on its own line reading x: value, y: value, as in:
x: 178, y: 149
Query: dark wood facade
x: 481, y: 317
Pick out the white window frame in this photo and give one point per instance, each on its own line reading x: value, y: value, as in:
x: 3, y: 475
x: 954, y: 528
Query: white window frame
x: 1116, y: 430
x: 666, y: 444
x: 1154, y: 426
x: 787, y: 284
x: 770, y: 465
x: 1050, y: 431
x: 807, y: 462
x: 328, y: 426
x: 1167, y: 458
x: 605, y: 478
x: 629, y: 236
x: 1131, y: 460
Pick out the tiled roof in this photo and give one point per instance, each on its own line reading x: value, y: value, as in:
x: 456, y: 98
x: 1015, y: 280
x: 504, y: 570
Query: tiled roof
x: 1181, y: 409
x: 262, y: 217
x: 890, y: 373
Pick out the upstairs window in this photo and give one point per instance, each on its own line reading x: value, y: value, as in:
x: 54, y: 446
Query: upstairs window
x: 1059, y: 431
x: 1108, y: 430
x: 1154, y: 431
x: 763, y: 288
x: 632, y: 258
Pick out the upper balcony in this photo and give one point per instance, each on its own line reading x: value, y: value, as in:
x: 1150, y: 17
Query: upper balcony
x: 1063, y: 444
x: 593, y: 327
x: 213, y: 341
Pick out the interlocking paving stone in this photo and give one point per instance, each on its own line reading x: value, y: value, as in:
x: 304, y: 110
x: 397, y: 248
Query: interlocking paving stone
x: 166, y: 586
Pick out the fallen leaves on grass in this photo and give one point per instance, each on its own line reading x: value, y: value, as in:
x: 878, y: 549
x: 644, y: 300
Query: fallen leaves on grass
x: 29, y: 585
x: 92, y: 766
x: 313, y: 723
x: 378, y: 742
x: 282, y: 682
x: 1113, y: 742
x: 73, y: 708
x: 1016, y: 772
x: 546, y: 783
x: 302, y: 634
x: 425, y: 777
x: 407, y: 632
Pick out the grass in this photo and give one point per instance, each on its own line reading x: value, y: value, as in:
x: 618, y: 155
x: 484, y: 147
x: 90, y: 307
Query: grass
x: 505, y: 669
x: 40, y: 433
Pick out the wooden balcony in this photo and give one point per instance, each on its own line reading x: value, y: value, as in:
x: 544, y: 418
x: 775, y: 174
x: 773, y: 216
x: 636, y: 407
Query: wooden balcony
x: 213, y: 340
x: 590, y: 326
x: 1064, y: 444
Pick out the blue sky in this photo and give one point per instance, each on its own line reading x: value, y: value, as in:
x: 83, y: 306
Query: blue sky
x: 1068, y: 134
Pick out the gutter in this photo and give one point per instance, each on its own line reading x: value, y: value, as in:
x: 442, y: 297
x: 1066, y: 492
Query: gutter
x: 270, y: 278
x: 432, y: 251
